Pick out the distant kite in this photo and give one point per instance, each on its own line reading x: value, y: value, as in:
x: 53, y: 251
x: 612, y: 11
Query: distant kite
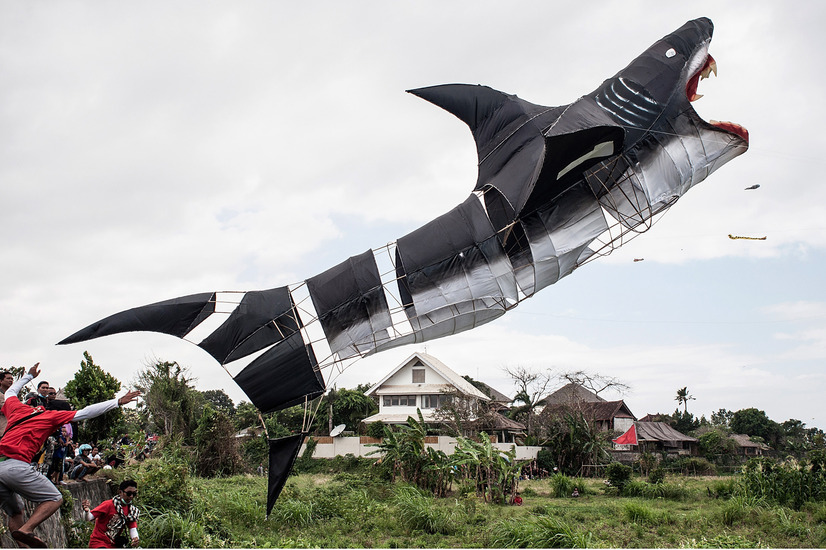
x: 557, y: 187
x: 638, y: 259
x: 735, y: 237
x: 755, y: 186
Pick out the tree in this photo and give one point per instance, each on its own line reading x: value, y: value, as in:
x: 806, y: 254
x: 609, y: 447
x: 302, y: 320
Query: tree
x: 595, y: 383
x: 683, y: 398
x: 574, y: 441
x: 754, y: 422
x: 683, y: 421
x: 531, y: 391
x: 174, y: 405
x: 216, y: 446
x: 246, y: 415
x: 90, y: 385
x: 721, y: 418
x: 220, y: 401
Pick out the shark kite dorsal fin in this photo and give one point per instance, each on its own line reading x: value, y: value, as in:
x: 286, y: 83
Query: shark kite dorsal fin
x: 471, y: 103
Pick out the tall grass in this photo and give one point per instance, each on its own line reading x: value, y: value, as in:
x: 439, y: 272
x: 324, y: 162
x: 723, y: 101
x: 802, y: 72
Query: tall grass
x: 641, y: 489
x: 417, y: 512
x: 538, y: 532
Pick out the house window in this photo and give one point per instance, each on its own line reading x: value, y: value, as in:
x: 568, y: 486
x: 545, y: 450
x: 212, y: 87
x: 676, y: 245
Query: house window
x: 418, y: 376
x: 399, y: 400
x: 434, y: 401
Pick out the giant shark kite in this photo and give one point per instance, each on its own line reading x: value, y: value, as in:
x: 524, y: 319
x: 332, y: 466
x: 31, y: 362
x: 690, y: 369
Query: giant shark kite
x: 557, y: 186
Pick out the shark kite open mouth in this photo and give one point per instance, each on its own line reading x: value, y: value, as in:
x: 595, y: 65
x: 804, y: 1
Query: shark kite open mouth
x: 706, y: 71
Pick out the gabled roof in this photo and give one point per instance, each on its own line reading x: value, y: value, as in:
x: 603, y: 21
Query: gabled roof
x: 462, y: 385
x: 504, y: 423
x: 496, y: 395
x: 659, y: 431
x: 743, y: 440
x: 596, y: 410
x: 572, y: 393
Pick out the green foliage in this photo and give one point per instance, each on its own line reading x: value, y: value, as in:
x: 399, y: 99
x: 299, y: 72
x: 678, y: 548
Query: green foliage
x: 538, y: 532
x: 416, y: 512
x: 696, y: 466
x: 375, y: 429
x: 721, y: 418
x: 220, y: 401
x: 91, y: 384
x: 683, y: 421
x: 561, y: 485
x: 216, y: 448
x: 174, y: 406
x: 246, y: 415
x: 656, y: 476
x: 163, y: 480
x: 304, y: 461
x: 173, y: 529
x: 255, y: 451
x: 637, y: 512
x: 717, y: 447
x: 755, y: 422
x: 572, y: 440
x: 789, y: 483
x: 640, y: 489
x: 349, y: 407
x: 618, y: 475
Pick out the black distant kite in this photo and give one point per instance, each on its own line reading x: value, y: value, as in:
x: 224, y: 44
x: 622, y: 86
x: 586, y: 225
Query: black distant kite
x: 557, y: 187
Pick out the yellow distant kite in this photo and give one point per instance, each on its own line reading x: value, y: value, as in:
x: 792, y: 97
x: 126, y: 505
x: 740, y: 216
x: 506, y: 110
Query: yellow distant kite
x: 735, y: 237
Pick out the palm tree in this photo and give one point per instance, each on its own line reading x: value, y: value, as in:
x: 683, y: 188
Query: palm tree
x: 683, y: 397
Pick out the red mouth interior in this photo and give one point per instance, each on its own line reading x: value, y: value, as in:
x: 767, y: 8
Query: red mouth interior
x: 691, y: 92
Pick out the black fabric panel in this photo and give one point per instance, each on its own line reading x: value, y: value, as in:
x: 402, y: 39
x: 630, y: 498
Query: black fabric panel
x: 444, y: 237
x: 283, y: 452
x: 343, y: 283
x: 251, y: 326
x: 514, y: 167
x: 283, y: 376
x: 176, y: 317
x: 351, y: 306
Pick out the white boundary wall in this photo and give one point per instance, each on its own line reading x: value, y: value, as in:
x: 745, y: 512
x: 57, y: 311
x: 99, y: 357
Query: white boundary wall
x: 361, y: 447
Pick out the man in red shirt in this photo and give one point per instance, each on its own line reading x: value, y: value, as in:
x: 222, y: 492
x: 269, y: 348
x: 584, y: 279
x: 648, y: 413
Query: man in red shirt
x: 112, y: 516
x: 28, y: 427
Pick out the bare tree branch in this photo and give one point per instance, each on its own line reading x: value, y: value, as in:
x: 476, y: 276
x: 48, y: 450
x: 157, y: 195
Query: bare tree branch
x: 596, y: 383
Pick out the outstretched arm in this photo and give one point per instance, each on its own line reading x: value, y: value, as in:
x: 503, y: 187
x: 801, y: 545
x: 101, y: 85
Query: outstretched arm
x: 15, y: 388
x: 99, y: 408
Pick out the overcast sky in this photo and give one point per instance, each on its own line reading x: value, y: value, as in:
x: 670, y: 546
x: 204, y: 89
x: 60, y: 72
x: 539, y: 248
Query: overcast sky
x: 150, y: 150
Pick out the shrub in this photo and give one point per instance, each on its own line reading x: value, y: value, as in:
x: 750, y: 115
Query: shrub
x: 163, y: 480
x: 697, y: 467
x: 636, y: 488
x: 561, y: 485
x: 657, y: 475
x: 618, y: 475
x: 375, y: 429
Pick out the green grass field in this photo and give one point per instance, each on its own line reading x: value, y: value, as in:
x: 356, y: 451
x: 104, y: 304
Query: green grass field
x: 356, y: 511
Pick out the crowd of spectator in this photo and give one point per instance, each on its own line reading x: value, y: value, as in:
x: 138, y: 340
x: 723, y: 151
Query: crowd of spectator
x: 63, y: 459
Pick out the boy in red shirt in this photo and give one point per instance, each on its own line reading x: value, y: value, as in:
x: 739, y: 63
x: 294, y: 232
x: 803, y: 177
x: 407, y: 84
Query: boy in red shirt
x: 28, y: 427
x: 112, y: 516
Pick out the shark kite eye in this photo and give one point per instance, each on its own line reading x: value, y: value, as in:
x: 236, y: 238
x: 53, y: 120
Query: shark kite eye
x: 671, y: 52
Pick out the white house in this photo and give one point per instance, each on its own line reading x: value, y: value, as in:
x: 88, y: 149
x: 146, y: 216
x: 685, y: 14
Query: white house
x: 420, y: 382
x: 423, y: 382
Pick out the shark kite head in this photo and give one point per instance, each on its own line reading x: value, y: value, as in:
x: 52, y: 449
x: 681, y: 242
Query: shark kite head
x: 652, y: 100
